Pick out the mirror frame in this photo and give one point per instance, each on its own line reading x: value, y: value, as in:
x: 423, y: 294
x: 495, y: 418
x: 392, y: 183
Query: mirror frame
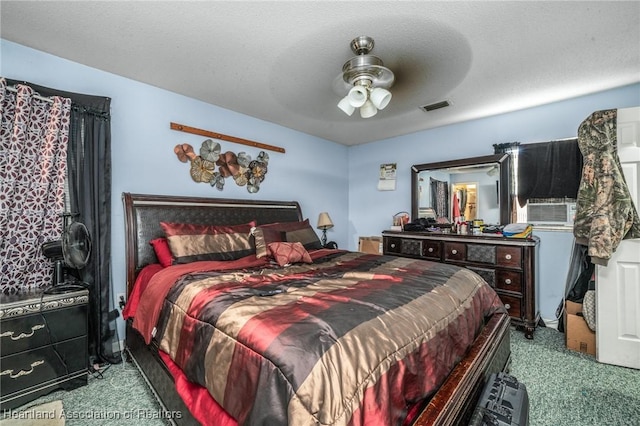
x: 504, y: 191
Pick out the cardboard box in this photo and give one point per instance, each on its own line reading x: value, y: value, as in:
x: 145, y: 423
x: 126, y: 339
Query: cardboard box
x: 578, y: 335
x: 371, y: 245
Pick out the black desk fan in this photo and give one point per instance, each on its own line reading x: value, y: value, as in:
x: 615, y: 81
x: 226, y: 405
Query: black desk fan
x: 71, y: 251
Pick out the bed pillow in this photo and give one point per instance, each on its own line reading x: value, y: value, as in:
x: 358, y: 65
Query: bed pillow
x: 162, y: 250
x: 286, y: 253
x: 265, y: 235
x: 190, y: 242
x: 291, y: 232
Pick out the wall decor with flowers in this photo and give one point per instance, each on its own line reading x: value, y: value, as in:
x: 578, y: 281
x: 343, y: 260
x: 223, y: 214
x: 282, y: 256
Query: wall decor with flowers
x: 212, y: 166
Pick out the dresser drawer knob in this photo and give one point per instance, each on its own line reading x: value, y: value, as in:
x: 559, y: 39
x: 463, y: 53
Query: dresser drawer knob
x: 508, y: 306
x: 22, y: 372
x: 393, y: 246
x: 22, y: 335
x: 507, y: 281
x: 430, y: 250
x: 508, y: 257
x: 454, y: 251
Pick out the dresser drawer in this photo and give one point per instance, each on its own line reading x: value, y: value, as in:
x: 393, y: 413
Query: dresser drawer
x: 513, y: 305
x: 509, y: 256
x: 455, y: 251
x: 411, y: 247
x: 393, y: 245
x: 481, y: 253
x: 431, y: 249
x: 509, y: 280
x: 489, y: 275
x: 32, y: 331
x: 35, y: 367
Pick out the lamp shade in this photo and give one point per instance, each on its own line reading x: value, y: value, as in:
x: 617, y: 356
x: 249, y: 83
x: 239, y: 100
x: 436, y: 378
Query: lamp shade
x: 368, y: 110
x: 345, y: 106
x: 380, y: 97
x: 358, y: 96
x: 324, y: 221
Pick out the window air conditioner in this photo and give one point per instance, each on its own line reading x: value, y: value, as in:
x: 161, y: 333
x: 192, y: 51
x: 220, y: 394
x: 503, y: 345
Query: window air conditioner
x: 551, y: 214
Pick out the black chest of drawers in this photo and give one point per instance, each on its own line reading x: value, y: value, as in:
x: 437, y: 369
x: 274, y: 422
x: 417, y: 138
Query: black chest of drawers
x: 43, y: 345
x: 509, y: 265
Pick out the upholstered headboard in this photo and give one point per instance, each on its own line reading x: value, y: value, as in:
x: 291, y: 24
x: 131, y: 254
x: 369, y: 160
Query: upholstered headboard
x: 143, y: 214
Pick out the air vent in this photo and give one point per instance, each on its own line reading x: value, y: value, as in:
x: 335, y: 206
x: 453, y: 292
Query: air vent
x: 435, y: 106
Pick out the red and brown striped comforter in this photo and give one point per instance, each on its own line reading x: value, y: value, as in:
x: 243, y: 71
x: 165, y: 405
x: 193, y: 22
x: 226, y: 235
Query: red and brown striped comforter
x: 351, y: 339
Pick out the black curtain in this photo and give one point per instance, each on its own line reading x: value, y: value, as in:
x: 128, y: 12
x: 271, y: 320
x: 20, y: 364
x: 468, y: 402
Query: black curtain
x: 89, y: 176
x: 549, y: 170
x: 505, y: 148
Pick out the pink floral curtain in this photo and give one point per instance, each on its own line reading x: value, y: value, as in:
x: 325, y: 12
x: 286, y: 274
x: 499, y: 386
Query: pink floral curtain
x: 34, y: 133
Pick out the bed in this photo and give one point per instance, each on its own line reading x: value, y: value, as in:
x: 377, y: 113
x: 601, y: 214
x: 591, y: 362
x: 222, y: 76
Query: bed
x: 270, y: 388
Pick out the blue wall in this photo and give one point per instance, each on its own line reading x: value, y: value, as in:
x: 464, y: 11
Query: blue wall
x: 321, y: 175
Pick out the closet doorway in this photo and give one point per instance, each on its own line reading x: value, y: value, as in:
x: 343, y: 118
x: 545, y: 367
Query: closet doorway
x: 465, y: 194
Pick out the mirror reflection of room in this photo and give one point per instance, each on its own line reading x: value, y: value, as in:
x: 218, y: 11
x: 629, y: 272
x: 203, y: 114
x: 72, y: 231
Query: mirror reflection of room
x: 464, y: 204
x: 475, y: 187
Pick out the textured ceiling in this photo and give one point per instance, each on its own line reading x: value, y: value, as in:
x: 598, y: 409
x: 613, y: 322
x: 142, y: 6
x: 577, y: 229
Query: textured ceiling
x: 277, y: 60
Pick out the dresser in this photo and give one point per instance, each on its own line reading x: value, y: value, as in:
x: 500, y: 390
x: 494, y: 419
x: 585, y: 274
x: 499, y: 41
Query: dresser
x: 509, y: 265
x: 43, y: 345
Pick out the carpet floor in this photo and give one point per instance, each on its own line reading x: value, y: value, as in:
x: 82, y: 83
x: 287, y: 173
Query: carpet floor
x: 571, y: 388
x: 565, y: 388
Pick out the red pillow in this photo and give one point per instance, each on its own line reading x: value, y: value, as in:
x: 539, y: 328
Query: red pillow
x: 286, y: 253
x: 163, y: 253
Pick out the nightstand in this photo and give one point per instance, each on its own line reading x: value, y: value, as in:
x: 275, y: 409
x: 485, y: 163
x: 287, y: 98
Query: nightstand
x: 43, y: 344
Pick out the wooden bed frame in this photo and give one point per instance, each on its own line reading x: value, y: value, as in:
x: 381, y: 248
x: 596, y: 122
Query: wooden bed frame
x: 454, y: 402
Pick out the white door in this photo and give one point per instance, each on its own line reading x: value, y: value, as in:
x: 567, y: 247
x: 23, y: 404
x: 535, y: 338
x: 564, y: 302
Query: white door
x: 618, y: 284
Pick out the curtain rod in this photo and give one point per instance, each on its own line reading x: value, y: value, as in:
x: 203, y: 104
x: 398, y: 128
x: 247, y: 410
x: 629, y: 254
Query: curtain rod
x: 42, y: 98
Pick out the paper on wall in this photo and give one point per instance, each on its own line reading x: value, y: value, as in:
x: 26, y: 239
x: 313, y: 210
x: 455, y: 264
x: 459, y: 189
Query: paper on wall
x: 387, y: 180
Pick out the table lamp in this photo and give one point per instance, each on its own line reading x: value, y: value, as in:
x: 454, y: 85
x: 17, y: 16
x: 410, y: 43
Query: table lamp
x: 324, y: 223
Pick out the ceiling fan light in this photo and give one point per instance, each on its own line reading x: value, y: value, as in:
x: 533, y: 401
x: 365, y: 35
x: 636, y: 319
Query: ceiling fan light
x: 380, y: 97
x: 346, y: 106
x: 363, y: 75
x: 368, y: 110
x: 357, y: 96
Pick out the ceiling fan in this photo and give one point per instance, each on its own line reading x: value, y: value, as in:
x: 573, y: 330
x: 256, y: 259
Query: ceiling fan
x: 366, y: 80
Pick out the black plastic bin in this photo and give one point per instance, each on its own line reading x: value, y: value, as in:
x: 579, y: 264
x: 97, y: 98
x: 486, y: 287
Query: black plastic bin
x: 504, y: 402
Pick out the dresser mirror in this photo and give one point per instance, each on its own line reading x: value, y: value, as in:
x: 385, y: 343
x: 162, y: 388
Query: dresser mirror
x: 469, y: 188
